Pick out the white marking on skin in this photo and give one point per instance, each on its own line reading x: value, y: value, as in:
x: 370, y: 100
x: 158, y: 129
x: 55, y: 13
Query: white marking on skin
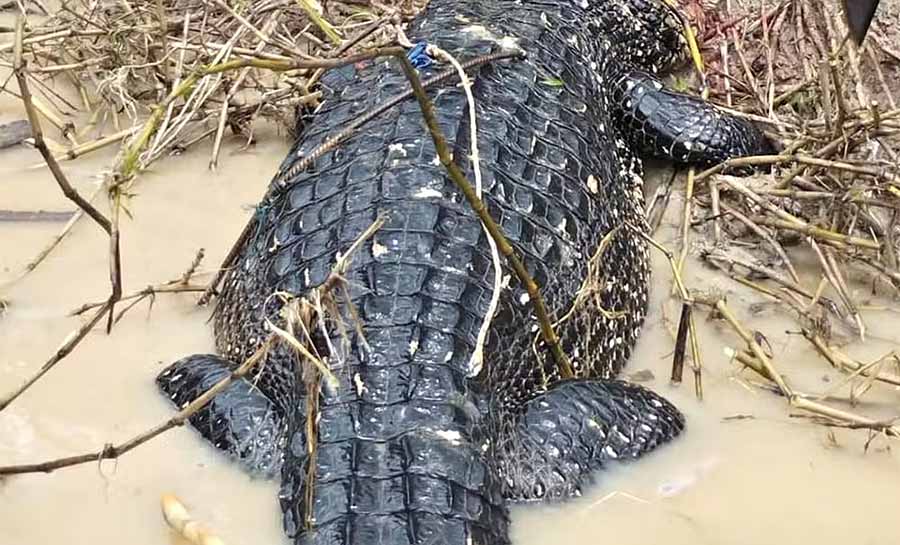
x: 360, y: 387
x: 524, y: 298
x: 275, y: 243
x: 452, y: 436
x: 481, y: 30
x: 397, y: 148
x: 509, y: 43
x: 378, y: 250
x: 413, y: 347
x: 592, y: 184
x: 636, y: 178
x: 427, y: 193
x: 506, y: 43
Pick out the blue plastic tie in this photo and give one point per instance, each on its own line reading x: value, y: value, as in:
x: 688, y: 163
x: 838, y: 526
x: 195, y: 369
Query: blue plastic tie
x: 418, y: 56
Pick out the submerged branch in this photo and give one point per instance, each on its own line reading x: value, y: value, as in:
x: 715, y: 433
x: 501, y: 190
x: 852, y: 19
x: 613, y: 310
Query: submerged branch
x: 110, y: 451
x: 109, y: 226
x: 64, y: 350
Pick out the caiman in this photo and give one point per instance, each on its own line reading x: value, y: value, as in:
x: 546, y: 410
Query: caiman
x: 418, y: 441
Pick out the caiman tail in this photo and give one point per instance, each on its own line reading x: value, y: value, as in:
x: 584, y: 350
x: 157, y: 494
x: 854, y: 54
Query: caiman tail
x: 394, y: 460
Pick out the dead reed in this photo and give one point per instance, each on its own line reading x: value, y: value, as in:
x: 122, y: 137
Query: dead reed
x: 832, y: 196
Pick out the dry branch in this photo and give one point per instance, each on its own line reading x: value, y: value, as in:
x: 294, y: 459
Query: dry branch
x: 110, y: 451
x: 64, y: 350
x: 834, y: 189
x: 503, y: 245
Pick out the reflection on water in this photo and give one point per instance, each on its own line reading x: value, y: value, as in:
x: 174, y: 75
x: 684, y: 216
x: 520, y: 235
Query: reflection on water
x: 744, y: 473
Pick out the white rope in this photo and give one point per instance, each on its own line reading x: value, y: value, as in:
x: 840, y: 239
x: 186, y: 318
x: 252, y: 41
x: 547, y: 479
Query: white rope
x: 477, y: 359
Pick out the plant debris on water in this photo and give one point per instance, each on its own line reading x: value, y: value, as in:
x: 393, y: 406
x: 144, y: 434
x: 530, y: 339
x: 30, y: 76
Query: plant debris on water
x: 832, y: 194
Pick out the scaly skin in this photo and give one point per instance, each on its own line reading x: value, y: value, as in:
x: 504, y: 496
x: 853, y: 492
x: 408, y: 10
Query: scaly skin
x: 416, y: 445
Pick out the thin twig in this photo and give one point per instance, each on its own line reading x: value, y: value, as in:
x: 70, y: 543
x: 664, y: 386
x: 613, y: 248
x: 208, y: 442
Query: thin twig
x: 38, y: 135
x: 110, y: 451
x: 64, y: 350
x: 440, y: 144
x: 284, y: 179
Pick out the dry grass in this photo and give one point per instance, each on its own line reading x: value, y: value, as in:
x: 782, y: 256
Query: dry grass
x: 125, y: 58
x: 832, y: 196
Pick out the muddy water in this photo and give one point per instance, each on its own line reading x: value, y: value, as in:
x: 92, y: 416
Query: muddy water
x: 744, y: 473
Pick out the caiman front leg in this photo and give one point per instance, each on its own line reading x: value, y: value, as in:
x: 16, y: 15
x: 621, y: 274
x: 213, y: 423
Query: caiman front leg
x: 575, y: 428
x: 241, y: 421
x: 664, y: 124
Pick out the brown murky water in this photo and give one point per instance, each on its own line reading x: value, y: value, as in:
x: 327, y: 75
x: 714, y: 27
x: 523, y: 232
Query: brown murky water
x: 760, y: 479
